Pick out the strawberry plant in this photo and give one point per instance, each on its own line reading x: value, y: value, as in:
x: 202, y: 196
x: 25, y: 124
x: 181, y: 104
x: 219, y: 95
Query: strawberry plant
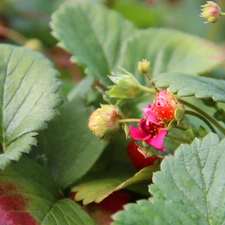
x: 110, y: 116
x: 138, y: 158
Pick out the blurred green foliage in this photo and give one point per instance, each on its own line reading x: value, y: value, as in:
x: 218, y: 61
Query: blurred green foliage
x: 30, y: 19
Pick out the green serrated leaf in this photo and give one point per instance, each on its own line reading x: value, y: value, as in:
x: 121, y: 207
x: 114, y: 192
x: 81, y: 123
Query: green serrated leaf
x: 28, y: 98
x: 98, y: 187
x: 68, y: 147
x: 188, y: 85
x: 93, y: 34
x: 29, y: 196
x: 169, y: 50
x: 189, y: 190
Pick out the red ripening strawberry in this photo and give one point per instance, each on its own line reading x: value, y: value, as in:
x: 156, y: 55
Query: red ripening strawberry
x: 102, y: 212
x: 167, y: 107
x: 138, y: 160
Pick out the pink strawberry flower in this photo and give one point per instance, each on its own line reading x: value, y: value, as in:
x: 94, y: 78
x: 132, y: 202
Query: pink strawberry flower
x: 150, y: 130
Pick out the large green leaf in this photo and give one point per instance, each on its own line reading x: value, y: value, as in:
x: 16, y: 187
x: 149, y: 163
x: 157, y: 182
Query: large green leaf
x: 67, y: 147
x: 170, y: 50
x: 93, y: 34
x: 28, y: 98
x: 187, y: 85
x: 98, y: 187
x: 67, y: 212
x: 29, y: 196
x: 189, y: 190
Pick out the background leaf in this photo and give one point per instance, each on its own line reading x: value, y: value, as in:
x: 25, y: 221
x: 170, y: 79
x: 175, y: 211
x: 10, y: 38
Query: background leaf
x: 67, y: 148
x: 140, y: 13
x: 108, y: 45
x: 190, y: 189
x: 98, y: 187
x: 81, y: 89
x: 28, y: 98
x: 187, y: 85
x: 170, y: 50
x: 29, y: 196
x: 95, y: 45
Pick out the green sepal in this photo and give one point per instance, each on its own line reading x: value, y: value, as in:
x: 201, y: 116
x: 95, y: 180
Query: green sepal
x: 179, y: 113
x: 126, y: 85
x: 126, y: 129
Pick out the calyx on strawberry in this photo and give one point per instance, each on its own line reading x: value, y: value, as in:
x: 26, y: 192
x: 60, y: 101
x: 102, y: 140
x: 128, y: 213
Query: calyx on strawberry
x: 167, y: 108
x: 139, y: 158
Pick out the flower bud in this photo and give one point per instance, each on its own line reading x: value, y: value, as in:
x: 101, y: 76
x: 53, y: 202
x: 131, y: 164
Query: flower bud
x: 167, y: 107
x: 104, y: 121
x: 144, y: 66
x: 126, y: 86
x: 34, y: 44
x: 211, y: 12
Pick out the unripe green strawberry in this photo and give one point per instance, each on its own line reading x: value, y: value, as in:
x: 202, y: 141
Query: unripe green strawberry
x: 167, y: 108
x: 104, y: 121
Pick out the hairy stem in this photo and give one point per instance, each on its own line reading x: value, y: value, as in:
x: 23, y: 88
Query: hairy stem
x: 202, y: 118
x: 146, y: 89
x: 12, y: 35
x: 129, y: 120
x: 204, y: 114
x: 151, y: 82
x: 178, y: 138
x: 181, y: 126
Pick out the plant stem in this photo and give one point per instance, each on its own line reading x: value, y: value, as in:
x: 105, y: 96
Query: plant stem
x: 204, y: 114
x: 222, y: 14
x: 181, y: 126
x: 202, y: 118
x: 177, y: 138
x: 146, y: 89
x: 118, y: 102
x: 4, y: 147
x: 12, y: 35
x: 129, y: 120
x: 152, y: 83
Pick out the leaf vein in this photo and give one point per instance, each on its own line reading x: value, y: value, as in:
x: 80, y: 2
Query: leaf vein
x: 21, y: 81
x: 183, y: 192
x: 98, y: 41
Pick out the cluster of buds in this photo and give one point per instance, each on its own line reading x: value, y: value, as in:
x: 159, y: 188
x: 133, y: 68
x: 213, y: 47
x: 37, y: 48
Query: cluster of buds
x: 211, y: 12
x: 164, y: 111
x: 160, y: 116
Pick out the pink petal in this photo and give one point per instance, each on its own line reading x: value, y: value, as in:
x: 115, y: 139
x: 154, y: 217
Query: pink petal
x: 138, y: 134
x: 157, y: 141
x: 150, y: 115
x: 143, y: 123
x: 150, y: 106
